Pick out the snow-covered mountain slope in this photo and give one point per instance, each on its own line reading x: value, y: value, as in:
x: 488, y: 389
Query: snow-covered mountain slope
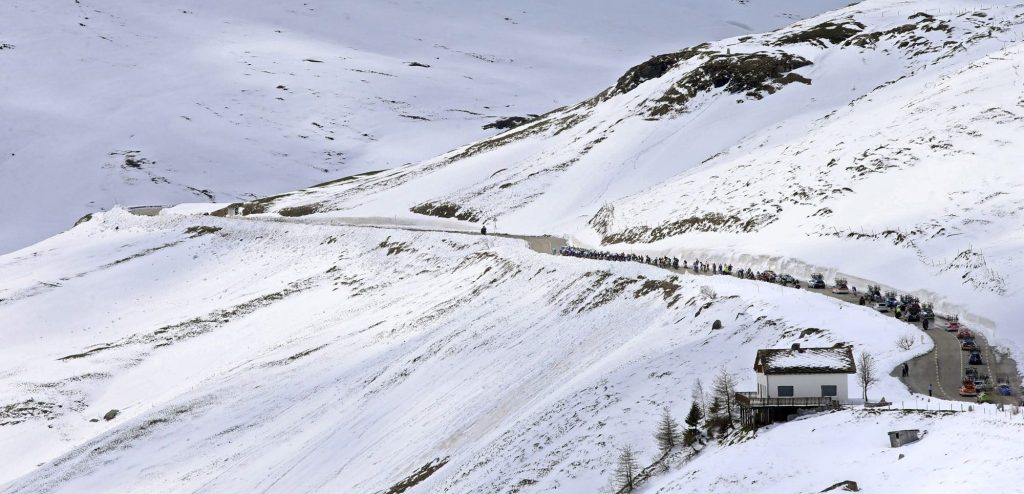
x: 151, y: 102
x: 791, y: 458
x: 195, y: 353
x: 885, y: 129
x: 266, y: 356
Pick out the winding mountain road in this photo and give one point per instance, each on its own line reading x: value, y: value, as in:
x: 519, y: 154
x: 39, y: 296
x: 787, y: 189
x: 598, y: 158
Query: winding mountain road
x: 942, y: 368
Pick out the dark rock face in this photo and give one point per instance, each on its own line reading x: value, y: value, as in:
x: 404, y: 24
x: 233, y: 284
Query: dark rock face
x: 717, y: 324
x: 446, y: 210
x: 653, y: 68
x: 846, y: 485
x: 823, y: 34
x: 111, y: 414
x: 751, y: 74
x: 510, y: 122
x: 708, y: 222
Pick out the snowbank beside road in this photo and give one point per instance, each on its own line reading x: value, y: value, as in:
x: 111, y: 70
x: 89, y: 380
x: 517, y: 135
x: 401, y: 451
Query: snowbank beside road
x: 248, y: 354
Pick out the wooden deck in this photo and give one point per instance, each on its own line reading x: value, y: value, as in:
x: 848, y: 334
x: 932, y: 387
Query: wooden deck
x: 756, y: 411
x: 751, y: 400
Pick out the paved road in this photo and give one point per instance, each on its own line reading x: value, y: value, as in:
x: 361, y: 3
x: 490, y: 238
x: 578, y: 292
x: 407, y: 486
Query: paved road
x: 942, y: 368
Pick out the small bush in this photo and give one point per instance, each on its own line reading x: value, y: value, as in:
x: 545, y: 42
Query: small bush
x: 708, y: 292
x: 303, y: 210
x: 199, y: 231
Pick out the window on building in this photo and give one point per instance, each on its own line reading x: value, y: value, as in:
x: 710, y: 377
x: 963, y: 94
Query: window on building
x: 829, y: 390
x: 785, y: 390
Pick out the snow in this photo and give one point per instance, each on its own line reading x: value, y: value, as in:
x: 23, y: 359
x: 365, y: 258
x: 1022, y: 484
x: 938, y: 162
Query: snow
x: 286, y: 356
x: 345, y: 350
x: 812, y: 454
x: 785, y: 361
x: 894, y: 165
x: 219, y: 102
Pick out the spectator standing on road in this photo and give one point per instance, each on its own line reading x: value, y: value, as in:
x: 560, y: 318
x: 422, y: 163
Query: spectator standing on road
x: 924, y: 324
x: 906, y: 369
x: 929, y: 389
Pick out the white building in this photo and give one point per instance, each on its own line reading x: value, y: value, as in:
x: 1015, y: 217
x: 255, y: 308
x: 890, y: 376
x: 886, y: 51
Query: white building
x: 804, y: 372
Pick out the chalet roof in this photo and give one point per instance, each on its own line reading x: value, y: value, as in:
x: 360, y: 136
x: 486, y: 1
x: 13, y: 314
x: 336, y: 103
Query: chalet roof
x: 832, y: 360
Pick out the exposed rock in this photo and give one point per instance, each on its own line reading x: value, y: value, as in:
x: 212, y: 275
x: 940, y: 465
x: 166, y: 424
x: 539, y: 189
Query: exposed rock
x: 418, y: 476
x: 754, y: 74
x: 446, y: 210
x: 111, y: 414
x: 602, y: 219
x: 200, y: 230
x: 716, y: 325
x: 824, y: 33
x: 653, y: 68
x: 846, y: 485
x: 417, y: 64
x: 510, y: 122
x: 303, y: 210
x: 708, y: 222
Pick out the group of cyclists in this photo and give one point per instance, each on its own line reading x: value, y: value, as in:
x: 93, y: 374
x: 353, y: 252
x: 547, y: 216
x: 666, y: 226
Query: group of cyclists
x: 664, y: 262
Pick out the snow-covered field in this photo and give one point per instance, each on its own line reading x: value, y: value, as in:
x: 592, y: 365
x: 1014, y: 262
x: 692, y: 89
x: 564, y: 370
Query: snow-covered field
x: 876, y: 141
x: 251, y: 355
x: 291, y: 351
x: 151, y: 102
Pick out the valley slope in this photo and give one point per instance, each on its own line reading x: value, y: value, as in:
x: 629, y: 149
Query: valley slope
x: 875, y: 141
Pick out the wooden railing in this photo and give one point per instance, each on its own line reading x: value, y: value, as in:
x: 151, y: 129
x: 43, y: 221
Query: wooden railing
x: 752, y: 400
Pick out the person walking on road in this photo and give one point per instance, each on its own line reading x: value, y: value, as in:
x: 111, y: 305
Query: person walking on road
x: 929, y: 389
x: 906, y: 369
x: 924, y: 324
x: 483, y: 230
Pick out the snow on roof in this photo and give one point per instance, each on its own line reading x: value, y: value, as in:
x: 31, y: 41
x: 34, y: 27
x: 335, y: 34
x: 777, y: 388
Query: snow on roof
x: 833, y: 360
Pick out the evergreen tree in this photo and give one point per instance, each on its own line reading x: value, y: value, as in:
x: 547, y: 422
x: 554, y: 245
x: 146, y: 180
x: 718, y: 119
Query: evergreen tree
x: 714, y: 414
x: 692, y: 421
x: 668, y: 431
x: 693, y: 418
x: 626, y: 471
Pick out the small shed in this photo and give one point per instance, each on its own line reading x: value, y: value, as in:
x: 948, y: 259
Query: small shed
x: 899, y: 438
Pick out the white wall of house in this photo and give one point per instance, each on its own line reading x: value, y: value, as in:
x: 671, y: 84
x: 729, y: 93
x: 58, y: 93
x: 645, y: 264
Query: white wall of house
x: 804, y: 385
